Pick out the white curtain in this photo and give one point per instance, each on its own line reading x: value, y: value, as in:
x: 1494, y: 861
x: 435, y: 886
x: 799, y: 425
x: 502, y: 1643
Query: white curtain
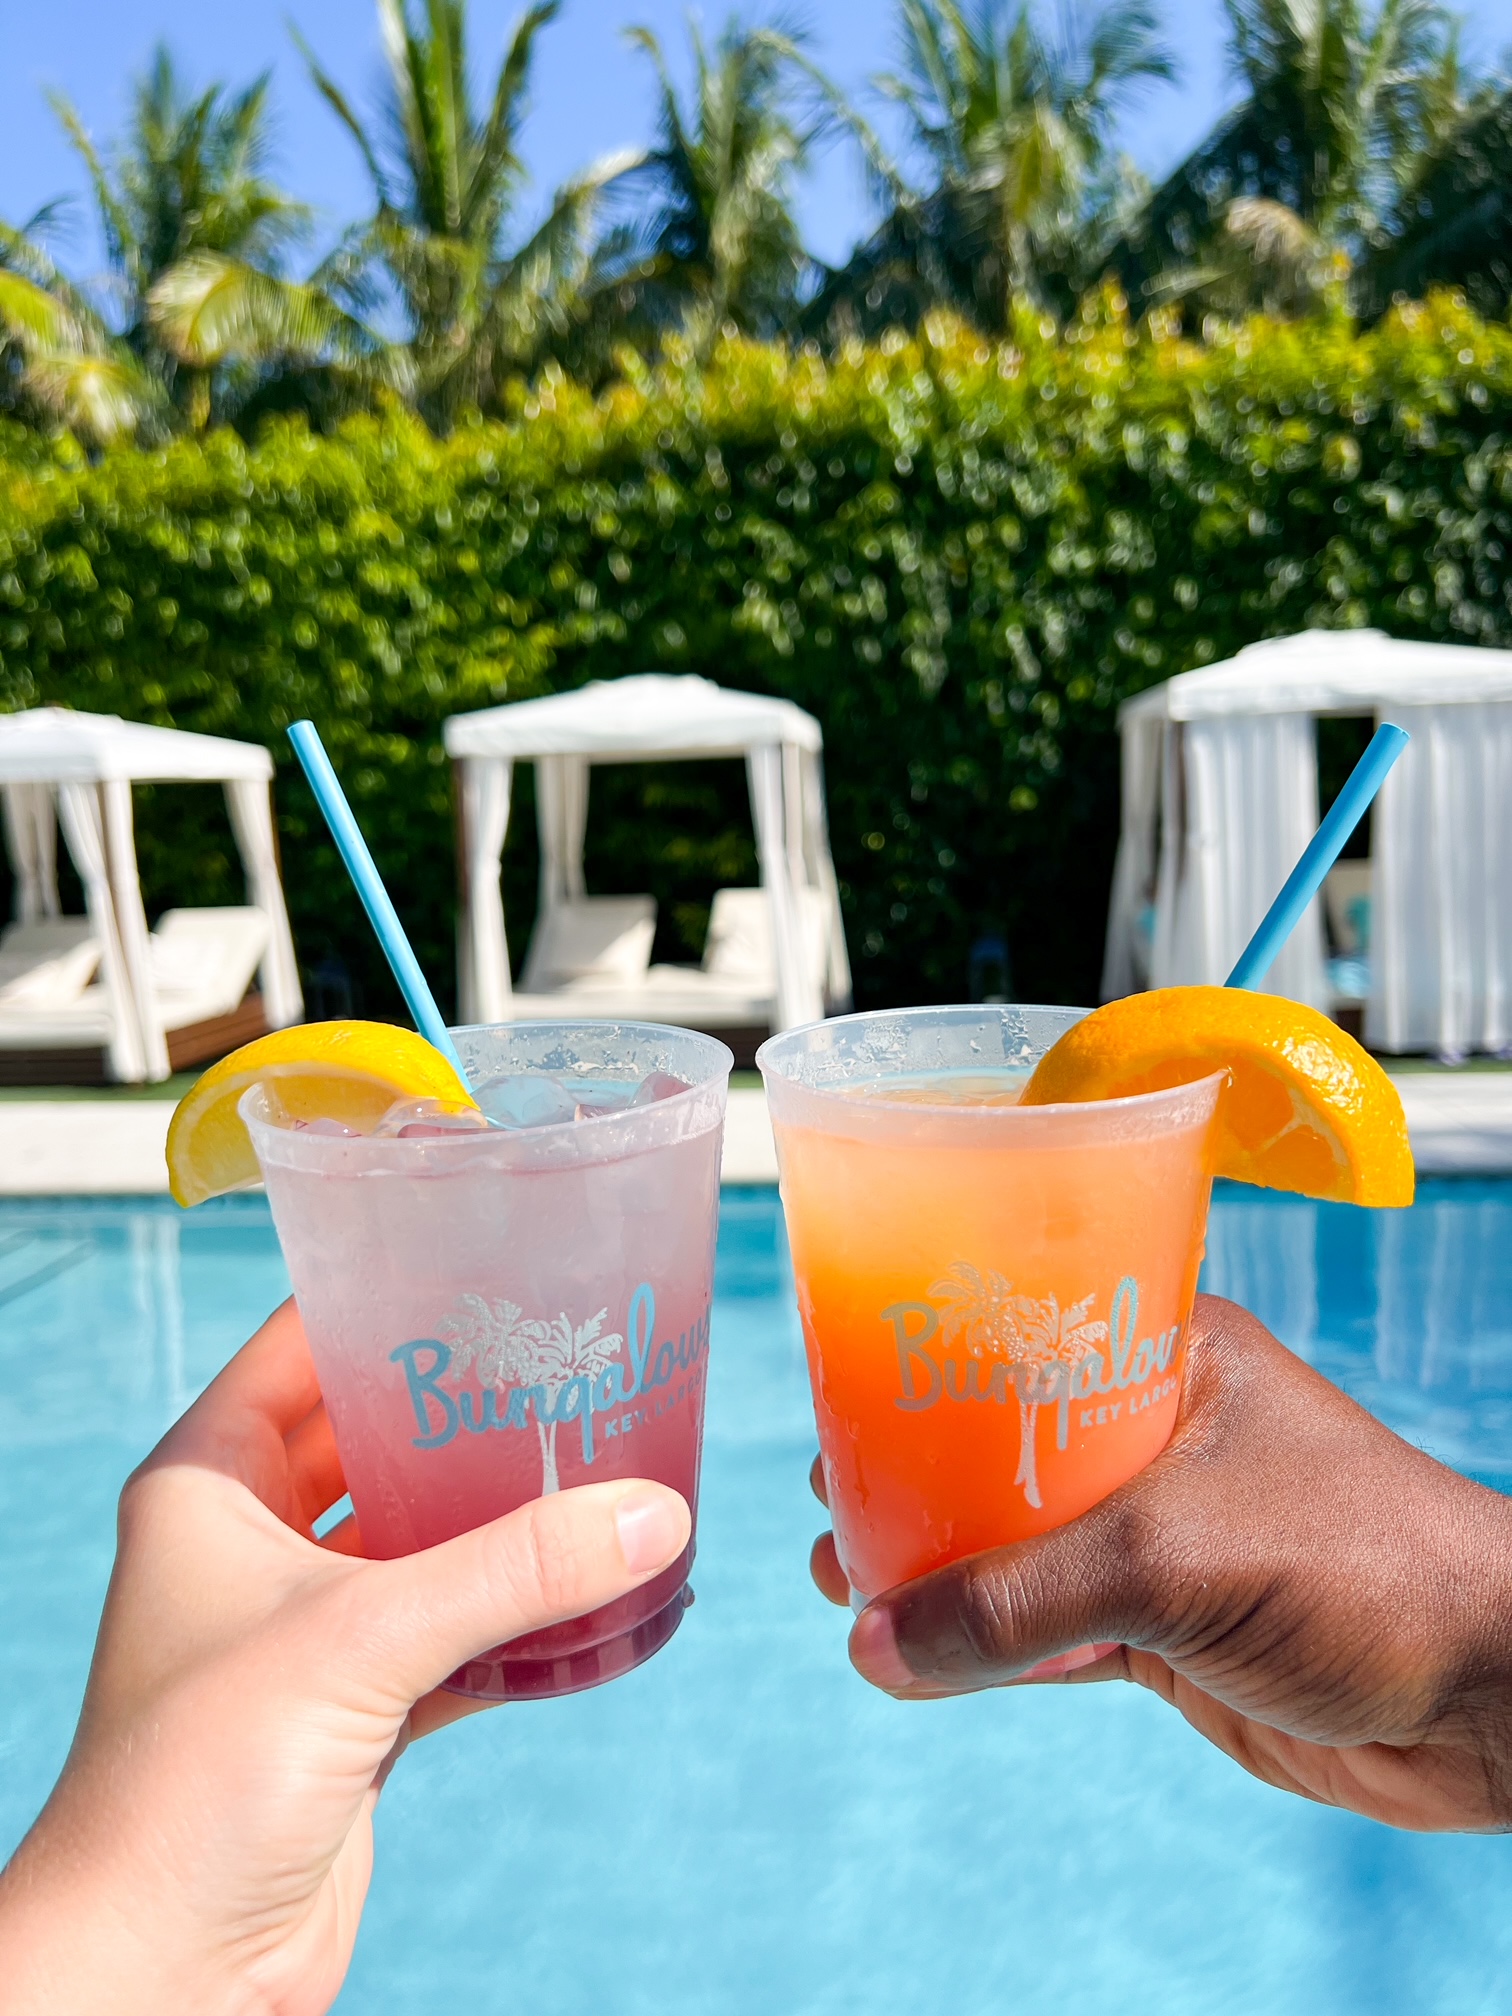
x: 1169, y: 864
x: 84, y: 831
x: 562, y: 820
x: 821, y: 874
x: 249, y: 801
x: 482, y: 948
x: 131, y: 921
x: 1441, y: 901
x: 799, y: 992
x: 1246, y: 792
x: 31, y: 836
x: 1125, y: 958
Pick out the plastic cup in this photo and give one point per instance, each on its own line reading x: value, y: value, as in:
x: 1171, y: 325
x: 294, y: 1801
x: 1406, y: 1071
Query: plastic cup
x: 994, y: 1297
x: 497, y: 1315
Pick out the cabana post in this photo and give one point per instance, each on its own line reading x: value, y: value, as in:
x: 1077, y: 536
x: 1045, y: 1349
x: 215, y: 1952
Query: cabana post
x: 77, y: 770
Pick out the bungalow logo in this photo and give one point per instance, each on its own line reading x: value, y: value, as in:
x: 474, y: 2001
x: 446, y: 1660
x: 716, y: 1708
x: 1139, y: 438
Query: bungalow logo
x: 975, y: 1338
x: 493, y: 1367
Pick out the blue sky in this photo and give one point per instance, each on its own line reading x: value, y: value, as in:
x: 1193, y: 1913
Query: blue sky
x: 591, y: 93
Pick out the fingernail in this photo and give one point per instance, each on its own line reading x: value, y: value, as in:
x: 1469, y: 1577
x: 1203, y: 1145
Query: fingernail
x: 874, y: 1651
x: 650, y: 1530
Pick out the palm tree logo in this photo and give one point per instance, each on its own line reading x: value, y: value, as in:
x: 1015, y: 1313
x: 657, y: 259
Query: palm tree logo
x: 503, y: 1347
x: 1041, y: 1343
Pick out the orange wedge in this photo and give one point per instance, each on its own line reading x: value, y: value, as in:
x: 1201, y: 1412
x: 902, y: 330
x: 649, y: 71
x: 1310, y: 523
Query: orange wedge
x: 349, y: 1071
x: 1306, y: 1108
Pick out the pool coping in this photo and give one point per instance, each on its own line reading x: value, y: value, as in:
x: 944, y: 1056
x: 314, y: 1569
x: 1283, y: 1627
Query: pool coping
x: 1460, y: 1122
x: 114, y: 1147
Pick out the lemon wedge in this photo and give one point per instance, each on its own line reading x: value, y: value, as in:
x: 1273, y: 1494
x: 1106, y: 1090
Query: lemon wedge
x: 347, y: 1071
x: 1307, y: 1109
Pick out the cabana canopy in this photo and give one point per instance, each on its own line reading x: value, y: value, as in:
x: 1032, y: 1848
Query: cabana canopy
x: 78, y: 769
x: 648, y: 717
x: 1220, y: 795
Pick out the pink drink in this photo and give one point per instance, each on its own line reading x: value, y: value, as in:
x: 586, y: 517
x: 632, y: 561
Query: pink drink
x: 501, y: 1314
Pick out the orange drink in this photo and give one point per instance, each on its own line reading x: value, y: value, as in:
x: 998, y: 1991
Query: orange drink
x: 994, y: 1296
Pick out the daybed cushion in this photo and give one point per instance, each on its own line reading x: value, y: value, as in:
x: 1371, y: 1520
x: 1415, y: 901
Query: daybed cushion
x: 676, y: 994
x: 600, y: 940
x: 46, y: 965
x: 739, y: 944
x: 203, y: 961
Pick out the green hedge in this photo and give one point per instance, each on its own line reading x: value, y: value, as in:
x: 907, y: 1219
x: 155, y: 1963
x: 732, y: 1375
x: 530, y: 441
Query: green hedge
x: 959, y: 557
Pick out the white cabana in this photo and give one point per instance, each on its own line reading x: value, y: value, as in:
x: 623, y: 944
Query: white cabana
x: 647, y: 718
x: 77, y: 770
x: 1220, y: 795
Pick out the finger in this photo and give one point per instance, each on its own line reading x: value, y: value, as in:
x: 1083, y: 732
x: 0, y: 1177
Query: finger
x: 816, y: 1481
x: 239, y: 1422
x: 1174, y: 1561
x: 315, y: 1474
x: 824, y: 1566
x: 423, y: 1616
x: 996, y: 1616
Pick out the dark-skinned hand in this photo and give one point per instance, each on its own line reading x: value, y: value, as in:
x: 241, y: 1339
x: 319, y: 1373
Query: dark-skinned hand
x: 1321, y: 1600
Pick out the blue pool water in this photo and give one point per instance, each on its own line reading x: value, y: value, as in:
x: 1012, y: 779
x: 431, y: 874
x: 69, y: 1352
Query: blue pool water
x: 742, y: 1826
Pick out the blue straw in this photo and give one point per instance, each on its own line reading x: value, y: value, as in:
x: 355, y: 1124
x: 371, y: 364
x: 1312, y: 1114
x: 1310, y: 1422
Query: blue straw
x: 1321, y: 852
x: 382, y: 915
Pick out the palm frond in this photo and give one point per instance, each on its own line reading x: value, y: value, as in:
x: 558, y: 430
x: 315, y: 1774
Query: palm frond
x: 335, y: 98
x: 495, y: 156
x: 101, y: 398
x: 119, y: 230
x: 35, y: 319
x: 209, y: 309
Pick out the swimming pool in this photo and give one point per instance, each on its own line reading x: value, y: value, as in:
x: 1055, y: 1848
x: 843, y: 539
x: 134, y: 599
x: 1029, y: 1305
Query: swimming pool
x: 742, y: 1826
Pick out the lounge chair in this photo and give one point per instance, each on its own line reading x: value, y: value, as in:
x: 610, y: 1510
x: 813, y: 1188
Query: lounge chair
x: 591, y: 941
x: 55, y: 1015
x: 597, y: 948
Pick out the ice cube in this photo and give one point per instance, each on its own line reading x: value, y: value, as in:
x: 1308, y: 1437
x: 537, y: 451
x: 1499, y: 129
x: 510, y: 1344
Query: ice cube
x: 336, y: 1130
x: 424, y: 1119
x: 657, y: 1085
x: 527, y: 1099
x: 601, y: 1099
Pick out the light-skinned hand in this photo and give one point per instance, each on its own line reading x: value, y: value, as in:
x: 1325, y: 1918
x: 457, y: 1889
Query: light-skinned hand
x: 1318, y: 1598
x: 208, y: 1846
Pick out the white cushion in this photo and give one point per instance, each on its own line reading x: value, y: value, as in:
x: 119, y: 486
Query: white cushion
x: 23, y: 944
x: 50, y: 983
x: 592, y: 939
x: 203, y: 961
x: 739, y: 944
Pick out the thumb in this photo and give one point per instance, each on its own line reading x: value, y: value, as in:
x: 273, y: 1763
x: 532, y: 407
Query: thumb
x: 994, y: 1616
x: 426, y: 1614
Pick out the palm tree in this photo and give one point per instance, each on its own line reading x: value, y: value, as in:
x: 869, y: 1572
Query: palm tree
x: 983, y: 1314
x: 504, y: 1348
x: 1042, y: 1344
x: 1342, y: 110
x: 1454, y: 219
x: 1016, y: 123
x: 446, y: 184
x: 718, y: 244
x: 196, y: 234
x: 61, y: 360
